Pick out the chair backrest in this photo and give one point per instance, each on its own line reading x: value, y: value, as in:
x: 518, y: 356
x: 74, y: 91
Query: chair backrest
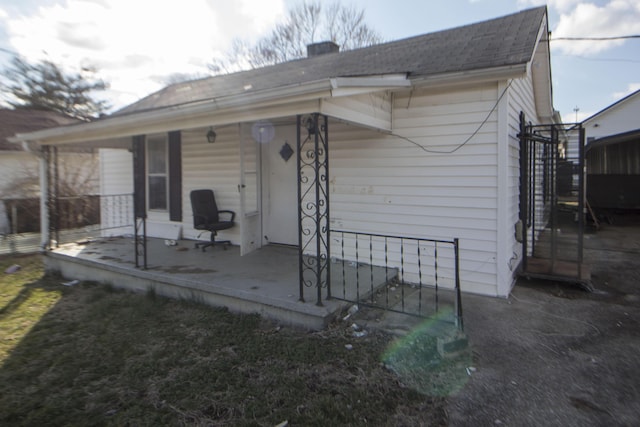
x: 204, y: 207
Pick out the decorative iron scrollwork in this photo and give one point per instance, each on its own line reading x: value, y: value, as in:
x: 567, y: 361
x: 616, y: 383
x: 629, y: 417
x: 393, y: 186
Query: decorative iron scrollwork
x: 313, y: 205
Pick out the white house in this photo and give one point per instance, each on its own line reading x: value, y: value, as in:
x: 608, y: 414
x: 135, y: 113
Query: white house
x: 418, y: 138
x: 613, y: 155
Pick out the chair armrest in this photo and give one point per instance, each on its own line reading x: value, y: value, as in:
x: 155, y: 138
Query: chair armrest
x: 232, y: 213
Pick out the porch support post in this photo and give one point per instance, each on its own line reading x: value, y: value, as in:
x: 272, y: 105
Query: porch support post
x: 313, y: 205
x: 53, y: 202
x: 45, y: 236
x: 139, y: 201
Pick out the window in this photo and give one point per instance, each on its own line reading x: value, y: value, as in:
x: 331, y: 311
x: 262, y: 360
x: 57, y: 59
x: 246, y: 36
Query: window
x: 157, y: 175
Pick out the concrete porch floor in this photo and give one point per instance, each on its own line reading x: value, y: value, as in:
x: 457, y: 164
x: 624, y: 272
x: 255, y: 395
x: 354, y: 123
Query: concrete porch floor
x: 264, y: 281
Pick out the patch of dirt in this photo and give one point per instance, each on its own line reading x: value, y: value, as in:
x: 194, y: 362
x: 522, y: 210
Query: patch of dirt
x: 553, y: 354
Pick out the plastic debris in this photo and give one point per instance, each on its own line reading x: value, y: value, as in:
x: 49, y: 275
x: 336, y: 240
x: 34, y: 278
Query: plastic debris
x: 348, y: 346
x: 71, y: 283
x: 169, y: 242
x: 283, y: 424
x: 360, y: 334
x: 352, y: 310
x: 12, y: 269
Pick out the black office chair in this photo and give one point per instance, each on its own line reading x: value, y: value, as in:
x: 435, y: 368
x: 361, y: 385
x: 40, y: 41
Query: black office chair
x: 206, y: 217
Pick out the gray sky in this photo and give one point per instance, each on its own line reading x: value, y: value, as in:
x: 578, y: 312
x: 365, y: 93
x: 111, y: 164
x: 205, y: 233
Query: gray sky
x: 137, y: 44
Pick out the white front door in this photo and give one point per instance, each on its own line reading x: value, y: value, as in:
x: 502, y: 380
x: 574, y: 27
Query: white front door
x: 280, y: 187
x: 251, y: 227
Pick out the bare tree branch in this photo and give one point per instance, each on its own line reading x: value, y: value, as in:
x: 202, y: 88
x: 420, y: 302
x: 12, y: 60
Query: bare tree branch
x: 44, y: 86
x: 306, y: 23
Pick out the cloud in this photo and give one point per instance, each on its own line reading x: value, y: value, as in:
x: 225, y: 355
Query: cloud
x: 591, y: 19
x: 616, y: 18
x: 559, y: 5
x: 631, y: 87
x: 129, y: 41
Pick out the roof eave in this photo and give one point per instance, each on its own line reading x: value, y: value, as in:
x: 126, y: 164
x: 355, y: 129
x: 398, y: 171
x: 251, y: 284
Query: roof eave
x: 200, y: 113
x: 126, y: 125
x: 540, y: 66
x: 472, y: 76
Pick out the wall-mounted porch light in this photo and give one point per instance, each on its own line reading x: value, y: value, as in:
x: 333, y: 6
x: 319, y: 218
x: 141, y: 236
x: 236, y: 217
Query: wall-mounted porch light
x: 211, y: 136
x: 310, y: 125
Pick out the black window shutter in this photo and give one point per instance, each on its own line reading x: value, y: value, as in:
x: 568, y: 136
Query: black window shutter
x: 139, y: 179
x: 175, y: 176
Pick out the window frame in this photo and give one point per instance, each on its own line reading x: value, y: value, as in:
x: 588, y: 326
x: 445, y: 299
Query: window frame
x: 154, y: 140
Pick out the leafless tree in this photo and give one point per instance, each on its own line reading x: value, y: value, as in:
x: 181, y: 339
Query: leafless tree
x: 308, y: 22
x: 45, y: 86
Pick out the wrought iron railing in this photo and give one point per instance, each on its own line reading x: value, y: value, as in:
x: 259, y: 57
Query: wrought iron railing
x: 409, y: 275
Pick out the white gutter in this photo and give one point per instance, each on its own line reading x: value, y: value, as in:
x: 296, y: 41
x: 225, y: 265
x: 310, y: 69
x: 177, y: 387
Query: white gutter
x: 345, y: 86
x: 473, y: 76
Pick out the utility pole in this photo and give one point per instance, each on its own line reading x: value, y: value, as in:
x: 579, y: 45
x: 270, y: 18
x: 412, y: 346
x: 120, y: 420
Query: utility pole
x: 576, y: 110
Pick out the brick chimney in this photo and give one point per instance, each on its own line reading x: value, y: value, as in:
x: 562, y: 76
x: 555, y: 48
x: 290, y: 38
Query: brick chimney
x: 321, y: 48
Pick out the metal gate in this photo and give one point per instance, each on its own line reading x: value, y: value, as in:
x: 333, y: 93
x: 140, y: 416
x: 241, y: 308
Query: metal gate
x: 552, y: 201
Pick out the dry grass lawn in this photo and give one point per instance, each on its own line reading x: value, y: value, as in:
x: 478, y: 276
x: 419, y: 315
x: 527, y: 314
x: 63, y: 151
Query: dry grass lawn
x: 92, y: 355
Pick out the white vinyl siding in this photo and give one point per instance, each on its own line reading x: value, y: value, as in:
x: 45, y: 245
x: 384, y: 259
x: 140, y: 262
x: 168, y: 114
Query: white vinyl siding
x: 116, y: 189
x: 620, y: 118
x: 385, y: 184
x: 519, y: 97
x: 211, y: 166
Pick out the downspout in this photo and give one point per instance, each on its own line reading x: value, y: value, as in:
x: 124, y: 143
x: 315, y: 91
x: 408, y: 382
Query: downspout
x: 45, y: 237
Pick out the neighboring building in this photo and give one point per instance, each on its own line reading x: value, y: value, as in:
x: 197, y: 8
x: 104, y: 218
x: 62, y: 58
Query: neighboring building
x: 421, y: 141
x: 20, y: 173
x: 613, y: 155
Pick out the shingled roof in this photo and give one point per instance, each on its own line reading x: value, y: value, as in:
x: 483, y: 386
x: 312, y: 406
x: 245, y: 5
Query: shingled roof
x: 505, y: 41
x: 27, y: 120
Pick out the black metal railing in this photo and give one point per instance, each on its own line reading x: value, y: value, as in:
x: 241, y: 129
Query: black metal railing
x: 408, y: 275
